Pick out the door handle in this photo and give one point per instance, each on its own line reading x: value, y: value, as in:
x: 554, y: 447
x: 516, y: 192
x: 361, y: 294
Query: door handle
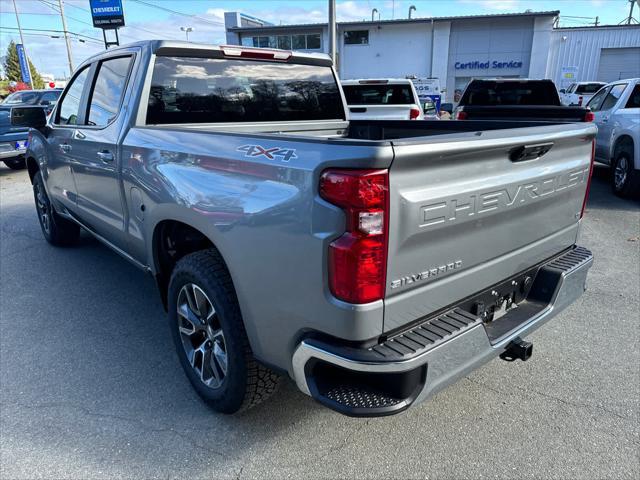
x: 605, y: 119
x: 106, y: 156
x: 78, y: 135
x: 64, y: 147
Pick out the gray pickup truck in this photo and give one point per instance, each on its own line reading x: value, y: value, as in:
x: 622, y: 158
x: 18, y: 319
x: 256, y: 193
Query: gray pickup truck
x: 374, y: 262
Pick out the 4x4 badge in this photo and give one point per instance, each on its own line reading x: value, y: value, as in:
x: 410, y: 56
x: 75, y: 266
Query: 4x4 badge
x: 285, y: 154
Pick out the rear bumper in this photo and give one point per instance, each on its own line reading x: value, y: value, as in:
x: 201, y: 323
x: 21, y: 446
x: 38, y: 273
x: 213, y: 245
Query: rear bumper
x: 408, y: 368
x: 9, y: 150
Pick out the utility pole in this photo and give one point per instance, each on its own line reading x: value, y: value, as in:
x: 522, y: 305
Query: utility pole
x: 66, y: 37
x: 23, y: 47
x: 332, y: 32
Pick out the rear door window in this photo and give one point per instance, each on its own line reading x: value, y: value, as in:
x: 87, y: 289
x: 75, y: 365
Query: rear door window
x: 211, y: 90
x: 596, y: 101
x: 634, y: 98
x: 378, y: 94
x: 108, y: 90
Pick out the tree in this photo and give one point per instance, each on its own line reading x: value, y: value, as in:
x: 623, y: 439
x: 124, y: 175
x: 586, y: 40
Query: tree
x: 12, y: 67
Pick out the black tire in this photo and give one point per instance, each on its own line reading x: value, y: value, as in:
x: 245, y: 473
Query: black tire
x: 245, y: 382
x: 57, y: 231
x: 15, y: 163
x: 624, y: 179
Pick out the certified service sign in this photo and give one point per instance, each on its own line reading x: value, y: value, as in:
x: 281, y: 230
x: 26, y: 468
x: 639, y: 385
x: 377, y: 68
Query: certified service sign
x: 107, y: 13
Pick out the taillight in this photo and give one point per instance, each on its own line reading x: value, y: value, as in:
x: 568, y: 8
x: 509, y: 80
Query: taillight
x: 358, y: 259
x: 461, y: 115
x: 580, y: 98
x: 589, y: 116
x: 414, y: 114
x: 586, y: 193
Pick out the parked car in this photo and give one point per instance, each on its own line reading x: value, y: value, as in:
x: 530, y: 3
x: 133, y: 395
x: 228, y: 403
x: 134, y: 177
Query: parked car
x: 516, y: 99
x: 382, y: 99
x: 617, y: 114
x: 372, y: 261
x: 13, y: 140
x: 579, y: 93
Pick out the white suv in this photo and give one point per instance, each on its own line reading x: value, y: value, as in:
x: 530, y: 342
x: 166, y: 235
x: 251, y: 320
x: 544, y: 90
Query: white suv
x: 382, y: 99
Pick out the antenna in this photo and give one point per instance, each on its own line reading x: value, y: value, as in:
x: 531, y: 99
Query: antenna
x: 630, y: 19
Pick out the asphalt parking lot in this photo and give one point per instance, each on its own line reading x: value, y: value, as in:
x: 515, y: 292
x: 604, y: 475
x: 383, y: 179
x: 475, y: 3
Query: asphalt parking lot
x: 90, y: 386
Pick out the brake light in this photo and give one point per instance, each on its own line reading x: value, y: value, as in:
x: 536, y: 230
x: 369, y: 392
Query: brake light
x: 461, y: 115
x: 358, y: 259
x: 257, y: 53
x: 580, y: 100
x: 414, y: 114
x: 589, y: 116
x: 586, y: 193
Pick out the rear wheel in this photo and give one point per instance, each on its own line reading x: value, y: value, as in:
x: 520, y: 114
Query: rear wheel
x: 624, y: 177
x: 56, y: 230
x: 210, y: 338
x: 15, y: 163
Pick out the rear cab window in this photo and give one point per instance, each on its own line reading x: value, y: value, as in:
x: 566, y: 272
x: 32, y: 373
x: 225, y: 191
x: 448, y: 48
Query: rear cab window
x: 589, y: 88
x: 386, y: 94
x: 490, y: 93
x: 187, y: 90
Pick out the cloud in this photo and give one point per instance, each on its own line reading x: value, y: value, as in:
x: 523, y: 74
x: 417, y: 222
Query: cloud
x: 500, y: 5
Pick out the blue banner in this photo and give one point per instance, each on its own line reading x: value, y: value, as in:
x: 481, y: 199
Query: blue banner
x: 24, y: 64
x: 107, y: 13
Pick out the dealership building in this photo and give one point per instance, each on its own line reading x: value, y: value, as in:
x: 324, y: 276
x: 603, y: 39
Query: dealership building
x: 456, y: 49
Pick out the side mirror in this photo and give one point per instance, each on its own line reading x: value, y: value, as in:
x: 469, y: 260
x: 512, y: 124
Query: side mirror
x: 429, y: 107
x: 447, y: 107
x: 33, y: 117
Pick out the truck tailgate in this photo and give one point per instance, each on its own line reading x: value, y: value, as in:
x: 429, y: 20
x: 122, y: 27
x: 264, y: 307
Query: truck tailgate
x: 469, y: 210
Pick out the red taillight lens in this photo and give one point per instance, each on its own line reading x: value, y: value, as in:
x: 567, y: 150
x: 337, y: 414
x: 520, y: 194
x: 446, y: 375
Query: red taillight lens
x: 586, y: 193
x: 589, y: 116
x: 358, y: 259
x: 461, y: 115
x: 414, y: 114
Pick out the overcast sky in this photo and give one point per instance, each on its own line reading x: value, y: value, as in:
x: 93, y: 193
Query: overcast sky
x: 147, y: 19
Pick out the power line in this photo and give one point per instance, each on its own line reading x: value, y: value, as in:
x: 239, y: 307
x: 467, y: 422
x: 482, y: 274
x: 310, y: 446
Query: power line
x: 197, y: 17
x: 54, y: 31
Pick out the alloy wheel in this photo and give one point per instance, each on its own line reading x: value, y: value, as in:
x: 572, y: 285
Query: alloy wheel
x: 202, y: 336
x: 42, y: 206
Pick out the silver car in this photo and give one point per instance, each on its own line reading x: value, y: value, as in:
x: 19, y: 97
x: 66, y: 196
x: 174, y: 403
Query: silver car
x: 617, y: 114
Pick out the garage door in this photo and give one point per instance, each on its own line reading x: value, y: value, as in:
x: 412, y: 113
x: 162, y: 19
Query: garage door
x: 617, y: 63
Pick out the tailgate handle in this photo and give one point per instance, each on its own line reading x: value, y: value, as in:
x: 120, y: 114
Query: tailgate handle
x: 358, y: 109
x: 529, y: 152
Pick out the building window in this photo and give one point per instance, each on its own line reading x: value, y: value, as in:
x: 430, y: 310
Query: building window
x: 356, y: 37
x: 313, y: 41
x: 284, y: 42
x: 299, y: 42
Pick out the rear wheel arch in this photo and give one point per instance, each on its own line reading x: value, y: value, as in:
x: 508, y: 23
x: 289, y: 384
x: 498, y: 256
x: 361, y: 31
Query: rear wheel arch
x: 171, y: 241
x: 623, y: 142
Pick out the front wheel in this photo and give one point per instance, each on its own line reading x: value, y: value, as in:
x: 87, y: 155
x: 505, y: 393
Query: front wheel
x: 16, y: 163
x: 623, y: 178
x: 56, y: 230
x: 210, y: 338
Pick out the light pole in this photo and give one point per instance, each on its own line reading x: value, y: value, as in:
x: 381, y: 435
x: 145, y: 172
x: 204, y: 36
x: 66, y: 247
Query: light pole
x: 24, y: 49
x: 186, y: 30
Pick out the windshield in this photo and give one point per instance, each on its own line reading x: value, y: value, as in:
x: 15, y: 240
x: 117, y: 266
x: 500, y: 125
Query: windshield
x: 489, y: 93
x: 209, y: 90
x: 378, y: 94
x: 25, y: 97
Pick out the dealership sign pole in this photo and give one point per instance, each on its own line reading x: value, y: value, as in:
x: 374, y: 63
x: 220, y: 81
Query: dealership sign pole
x: 107, y: 15
x: 25, y: 68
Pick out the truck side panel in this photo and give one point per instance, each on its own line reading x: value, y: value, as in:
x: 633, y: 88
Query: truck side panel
x: 263, y: 214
